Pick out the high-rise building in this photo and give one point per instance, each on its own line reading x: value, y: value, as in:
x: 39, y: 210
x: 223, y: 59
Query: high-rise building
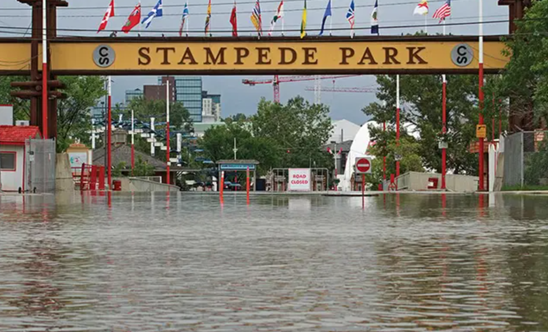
x: 188, y: 90
x: 211, y: 107
x: 133, y: 94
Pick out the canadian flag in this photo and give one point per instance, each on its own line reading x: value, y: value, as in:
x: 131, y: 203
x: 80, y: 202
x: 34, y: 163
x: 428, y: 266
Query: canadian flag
x: 108, y: 14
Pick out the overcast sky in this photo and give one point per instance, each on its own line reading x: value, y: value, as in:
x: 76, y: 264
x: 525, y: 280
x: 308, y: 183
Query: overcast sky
x: 394, y: 15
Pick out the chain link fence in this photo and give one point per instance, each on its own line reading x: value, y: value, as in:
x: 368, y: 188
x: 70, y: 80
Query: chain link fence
x: 40, y: 161
x: 526, y: 159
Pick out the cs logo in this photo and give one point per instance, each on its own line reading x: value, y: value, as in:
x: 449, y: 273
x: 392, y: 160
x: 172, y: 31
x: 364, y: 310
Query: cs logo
x: 462, y: 55
x: 104, y: 56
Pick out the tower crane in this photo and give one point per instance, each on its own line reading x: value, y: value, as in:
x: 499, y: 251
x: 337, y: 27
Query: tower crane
x: 340, y: 89
x: 276, y: 80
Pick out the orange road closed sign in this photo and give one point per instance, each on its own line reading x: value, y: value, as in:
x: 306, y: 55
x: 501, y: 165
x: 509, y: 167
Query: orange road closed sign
x: 363, y: 165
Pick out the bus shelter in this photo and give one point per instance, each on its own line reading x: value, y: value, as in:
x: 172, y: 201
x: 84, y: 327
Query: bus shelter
x: 238, y: 166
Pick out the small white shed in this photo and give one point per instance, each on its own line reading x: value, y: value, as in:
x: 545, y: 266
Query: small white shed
x: 13, y: 155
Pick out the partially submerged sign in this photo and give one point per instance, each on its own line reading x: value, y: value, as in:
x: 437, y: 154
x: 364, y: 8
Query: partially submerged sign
x: 299, y: 179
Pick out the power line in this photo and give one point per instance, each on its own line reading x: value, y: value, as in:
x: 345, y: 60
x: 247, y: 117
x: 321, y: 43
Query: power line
x: 287, y: 30
x: 230, y: 4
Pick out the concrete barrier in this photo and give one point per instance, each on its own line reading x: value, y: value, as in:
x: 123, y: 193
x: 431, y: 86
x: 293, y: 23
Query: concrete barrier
x: 416, y: 181
x: 140, y: 185
x: 63, y: 173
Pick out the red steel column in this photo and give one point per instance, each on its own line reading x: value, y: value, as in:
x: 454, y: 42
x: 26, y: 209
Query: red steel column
x: 44, y: 71
x: 481, y: 97
x: 167, y: 133
x: 109, y: 134
x: 397, y: 121
x: 444, y: 131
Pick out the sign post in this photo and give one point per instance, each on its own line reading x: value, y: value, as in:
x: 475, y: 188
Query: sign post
x: 363, y: 166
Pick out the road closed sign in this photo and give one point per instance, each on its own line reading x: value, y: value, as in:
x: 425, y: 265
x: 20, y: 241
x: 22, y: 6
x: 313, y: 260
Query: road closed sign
x: 363, y: 165
x: 299, y: 179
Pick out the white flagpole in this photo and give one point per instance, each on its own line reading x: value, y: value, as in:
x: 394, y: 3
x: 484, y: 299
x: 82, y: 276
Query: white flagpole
x: 426, y: 23
x: 444, y: 27
x: 331, y: 18
x: 187, y: 19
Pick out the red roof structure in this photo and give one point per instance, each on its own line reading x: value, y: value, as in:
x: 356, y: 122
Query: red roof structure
x: 17, y: 135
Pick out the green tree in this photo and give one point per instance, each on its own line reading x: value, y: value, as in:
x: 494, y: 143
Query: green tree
x: 421, y: 97
x: 299, y: 128
x: 525, y: 80
x: 218, y: 144
x: 73, y: 117
x: 142, y: 168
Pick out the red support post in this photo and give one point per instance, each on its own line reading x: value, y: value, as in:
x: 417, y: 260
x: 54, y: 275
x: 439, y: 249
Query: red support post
x: 222, y: 187
x: 481, y: 121
x: 363, y: 191
x: 384, y: 158
x: 101, y: 177
x: 444, y: 131
x: 109, y: 135
x: 247, y: 185
x: 93, y: 184
x: 82, y: 177
x: 45, y: 101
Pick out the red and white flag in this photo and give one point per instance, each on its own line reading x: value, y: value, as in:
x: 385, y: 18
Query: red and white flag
x: 444, y: 11
x: 133, y: 19
x: 108, y: 14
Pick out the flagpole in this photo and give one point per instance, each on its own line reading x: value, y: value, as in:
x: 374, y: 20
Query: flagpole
x: 426, y: 23
x: 44, y: 71
x: 187, y: 22
x: 132, y: 141
x: 444, y: 126
x: 331, y: 18
x: 481, y: 96
x: 397, y: 122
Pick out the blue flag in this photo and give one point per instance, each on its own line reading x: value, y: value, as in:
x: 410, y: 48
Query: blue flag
x: 325, y: 15
x: 374, y: 19
x: 157, y: 11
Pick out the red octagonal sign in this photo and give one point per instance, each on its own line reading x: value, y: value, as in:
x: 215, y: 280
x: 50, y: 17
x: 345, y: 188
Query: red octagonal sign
x: 363, y: 165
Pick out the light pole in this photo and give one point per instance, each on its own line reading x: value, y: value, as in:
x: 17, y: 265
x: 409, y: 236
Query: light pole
x: 167, y: 132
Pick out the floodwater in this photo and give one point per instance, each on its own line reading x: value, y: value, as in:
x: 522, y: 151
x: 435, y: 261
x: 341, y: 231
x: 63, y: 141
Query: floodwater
x: 152, y: 262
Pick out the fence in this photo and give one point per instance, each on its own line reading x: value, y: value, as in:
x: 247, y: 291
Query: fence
x: 526, y: 159
x: 40, y: 161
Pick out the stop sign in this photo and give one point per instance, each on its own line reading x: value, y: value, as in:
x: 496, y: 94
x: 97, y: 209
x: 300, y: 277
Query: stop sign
x: 363, y: 165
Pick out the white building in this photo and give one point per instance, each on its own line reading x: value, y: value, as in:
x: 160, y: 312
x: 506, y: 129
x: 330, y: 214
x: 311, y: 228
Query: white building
x: 343, y: 130
x: 211, y: 111
x: 13, y: 155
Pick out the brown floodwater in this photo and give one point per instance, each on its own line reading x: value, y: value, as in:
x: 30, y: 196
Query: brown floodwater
x: 152, y: 262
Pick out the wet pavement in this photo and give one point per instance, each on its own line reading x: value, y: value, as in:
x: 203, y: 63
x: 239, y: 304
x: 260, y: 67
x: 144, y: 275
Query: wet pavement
x: 149, y: 262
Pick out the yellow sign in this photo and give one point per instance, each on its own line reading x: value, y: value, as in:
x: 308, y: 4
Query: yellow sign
x: 232, y: 57
x: 14, y: 58
x: 481, y: 131
x: 229, y: 56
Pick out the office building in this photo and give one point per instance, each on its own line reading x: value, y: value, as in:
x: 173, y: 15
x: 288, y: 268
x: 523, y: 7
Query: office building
x: 132, y: 94
x: 188, y: 90
x: 211, y: 108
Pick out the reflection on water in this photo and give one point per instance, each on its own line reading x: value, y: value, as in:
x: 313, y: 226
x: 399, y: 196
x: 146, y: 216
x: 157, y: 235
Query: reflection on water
x: 151, y: 262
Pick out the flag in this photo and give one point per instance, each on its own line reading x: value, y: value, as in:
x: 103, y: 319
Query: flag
x: 108, y: 14
x: 374, y: 19
x: 303, y: 22
x: 256, y: 18
x: 422, y: 8
x: 444, y: 11
x: 208, y: 18
x: 325, y: 15
x: 350, y: 17
x: 185, y: 15
x: 157, y: 11
x: 234, y: 21
x: 133, y: 19
x: 278, y: 16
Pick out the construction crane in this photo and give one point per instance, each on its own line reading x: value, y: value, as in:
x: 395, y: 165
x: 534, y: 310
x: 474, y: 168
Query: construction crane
x: 276, y: 80
x: 337, y: 89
